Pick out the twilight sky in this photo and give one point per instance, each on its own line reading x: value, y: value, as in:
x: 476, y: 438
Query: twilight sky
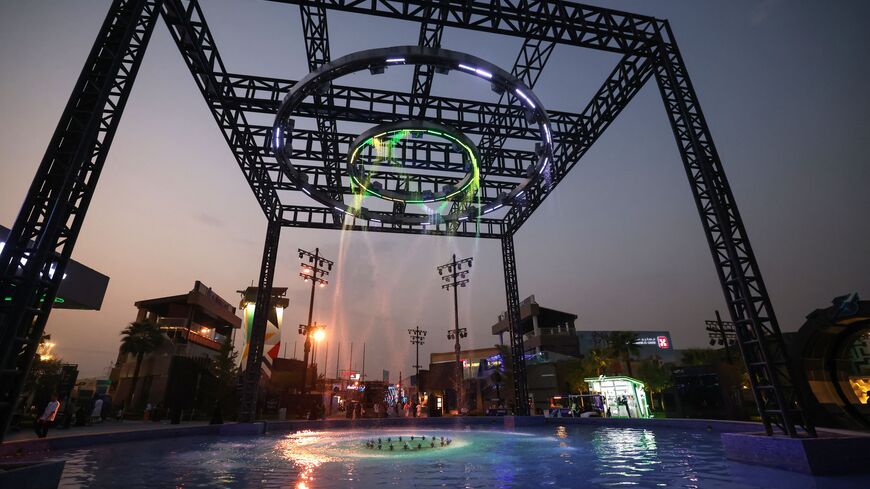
x: 619, y: 243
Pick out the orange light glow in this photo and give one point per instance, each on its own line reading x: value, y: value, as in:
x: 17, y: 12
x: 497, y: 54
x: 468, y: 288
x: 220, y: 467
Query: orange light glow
x: 319, y: 335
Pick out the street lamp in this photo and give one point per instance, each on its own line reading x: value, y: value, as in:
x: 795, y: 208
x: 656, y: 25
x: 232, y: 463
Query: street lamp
x: 319, y: 334
x: 314, y: 332
x: 313, y: 271
x: 418, y: 337
x: 44, y: 349
x: 455, y: 277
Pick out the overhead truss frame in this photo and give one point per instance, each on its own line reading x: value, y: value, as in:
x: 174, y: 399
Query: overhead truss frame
x: 45, y: 231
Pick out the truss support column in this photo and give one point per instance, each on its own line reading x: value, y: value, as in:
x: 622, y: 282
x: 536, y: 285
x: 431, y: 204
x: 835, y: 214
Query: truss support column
x: 42, y: 238
x: 316, y: 31
x: 251, y: 376
x: 758, y: 333
x: 518, y: 359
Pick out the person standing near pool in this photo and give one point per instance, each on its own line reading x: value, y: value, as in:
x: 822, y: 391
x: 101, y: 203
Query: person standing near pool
x: 47, y: 417
x: 96, y: 413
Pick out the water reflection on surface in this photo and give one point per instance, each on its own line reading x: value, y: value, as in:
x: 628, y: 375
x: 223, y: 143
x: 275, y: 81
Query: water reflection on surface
x: 558, y: 457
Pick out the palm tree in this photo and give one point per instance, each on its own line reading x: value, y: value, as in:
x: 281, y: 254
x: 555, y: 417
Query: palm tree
x: 140, y: 338
x: 657, y: 376
x: 623, y: 344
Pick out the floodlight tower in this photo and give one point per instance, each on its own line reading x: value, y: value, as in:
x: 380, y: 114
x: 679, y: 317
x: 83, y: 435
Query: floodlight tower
x: 313, y: 271
x: 456, y: 278
x: 722, y: 332
x: 418, y: 337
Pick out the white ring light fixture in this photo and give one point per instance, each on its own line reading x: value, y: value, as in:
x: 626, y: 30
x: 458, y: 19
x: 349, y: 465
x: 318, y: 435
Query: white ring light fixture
x: 377, y: 60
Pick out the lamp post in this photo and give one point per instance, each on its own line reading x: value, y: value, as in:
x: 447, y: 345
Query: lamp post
x: 455, y: 278
x: 722, y: 332
x: 315, y: 332
x: 418, y: 337
x: 314, y: 272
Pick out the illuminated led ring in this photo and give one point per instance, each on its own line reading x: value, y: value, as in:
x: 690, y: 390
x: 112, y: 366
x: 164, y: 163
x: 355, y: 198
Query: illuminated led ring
x: 376, y: 60
x: 384, y: 131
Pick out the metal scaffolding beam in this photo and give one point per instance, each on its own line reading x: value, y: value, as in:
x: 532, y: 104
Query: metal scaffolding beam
x: 195, y: 42
x: 421, y: 85
x: 758, y: 335
x: 518, y: 350
x: 252, y: 373
x: 41, y: 241
x: 45, y: 231
x: 561, y: 22
x: 623, y: 83
x: 315, y: 29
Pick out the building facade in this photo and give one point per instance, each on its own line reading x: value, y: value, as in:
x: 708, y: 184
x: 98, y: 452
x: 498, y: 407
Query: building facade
x: 195, y: 324
x: 477, y: 367
x: 650, y: 344
x: 548, y: 334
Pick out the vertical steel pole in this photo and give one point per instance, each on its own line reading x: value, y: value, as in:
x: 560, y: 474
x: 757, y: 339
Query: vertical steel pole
x: 308, y: 326
x: 456, y: 347
x: 521, y: 397
x: 251, y: 378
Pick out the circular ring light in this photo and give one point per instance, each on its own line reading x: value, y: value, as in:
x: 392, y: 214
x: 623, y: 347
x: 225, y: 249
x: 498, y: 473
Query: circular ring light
x: 385, y: 136
x: 376, y: 61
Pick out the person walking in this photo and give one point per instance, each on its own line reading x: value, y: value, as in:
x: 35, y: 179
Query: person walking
x: 97, y: 412
x: 47, y: 417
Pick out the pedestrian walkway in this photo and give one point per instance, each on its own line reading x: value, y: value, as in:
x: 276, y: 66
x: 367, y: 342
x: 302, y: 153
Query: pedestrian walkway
x: 99, y: 428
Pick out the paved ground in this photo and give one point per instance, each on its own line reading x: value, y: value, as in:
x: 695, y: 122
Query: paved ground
x: 111, y: 426
x: 99, y: 428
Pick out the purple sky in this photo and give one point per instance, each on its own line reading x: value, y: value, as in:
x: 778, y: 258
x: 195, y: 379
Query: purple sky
x: 619, y: 243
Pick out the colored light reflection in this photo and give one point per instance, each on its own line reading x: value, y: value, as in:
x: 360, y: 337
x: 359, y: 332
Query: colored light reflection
x: 383, y: 145
x: 305, y: 452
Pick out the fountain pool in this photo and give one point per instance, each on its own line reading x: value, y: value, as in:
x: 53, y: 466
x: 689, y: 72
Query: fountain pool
x: 552, y: 456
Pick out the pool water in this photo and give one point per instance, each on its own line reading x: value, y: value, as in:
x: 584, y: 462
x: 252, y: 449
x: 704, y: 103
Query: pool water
x: 553, y: 456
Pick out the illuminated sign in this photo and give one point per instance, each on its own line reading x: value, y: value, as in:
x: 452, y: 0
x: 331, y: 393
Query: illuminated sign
x: 660, y: 341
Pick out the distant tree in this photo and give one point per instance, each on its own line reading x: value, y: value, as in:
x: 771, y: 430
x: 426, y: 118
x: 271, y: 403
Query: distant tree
x: 597, y: 360
x: 572, y: 372
x: 225, y: 368
x: 576, y: 370
x: 657, y: 376
x: 140, y: 338
x: 701, y: 356
x: 622, y: 345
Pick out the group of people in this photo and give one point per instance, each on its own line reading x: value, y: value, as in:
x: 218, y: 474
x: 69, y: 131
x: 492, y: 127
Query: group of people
x: 409, y: 409
x: 73, y: 413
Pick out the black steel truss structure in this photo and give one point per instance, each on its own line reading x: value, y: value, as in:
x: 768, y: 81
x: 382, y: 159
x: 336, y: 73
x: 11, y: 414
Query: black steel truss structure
x: 45, y: 231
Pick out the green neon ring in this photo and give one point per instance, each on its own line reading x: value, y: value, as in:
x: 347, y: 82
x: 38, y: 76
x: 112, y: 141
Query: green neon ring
x: 468, y: 184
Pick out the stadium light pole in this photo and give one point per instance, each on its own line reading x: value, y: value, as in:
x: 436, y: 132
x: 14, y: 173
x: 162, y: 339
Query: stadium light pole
x: 314, y: 272
x: 418, y: 337
x: 722, y: 332
x: 455, y: 278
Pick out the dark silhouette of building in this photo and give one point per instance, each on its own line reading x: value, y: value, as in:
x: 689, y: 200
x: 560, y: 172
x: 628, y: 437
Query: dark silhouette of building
x: 195, y: 324
x: 548, y: 334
